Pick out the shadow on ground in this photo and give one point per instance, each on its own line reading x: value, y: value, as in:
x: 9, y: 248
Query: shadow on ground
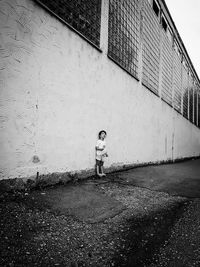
x: 142, y: 238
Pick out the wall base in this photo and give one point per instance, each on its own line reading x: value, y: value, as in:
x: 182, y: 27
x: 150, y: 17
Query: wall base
x: 41, y: 181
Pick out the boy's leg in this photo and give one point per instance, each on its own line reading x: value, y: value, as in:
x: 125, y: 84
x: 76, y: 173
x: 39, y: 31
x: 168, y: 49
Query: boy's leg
x: 98, y: 167
x: 102, y: 170
x: 98, y: 171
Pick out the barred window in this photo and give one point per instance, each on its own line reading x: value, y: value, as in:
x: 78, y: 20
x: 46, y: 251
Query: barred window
x: 191, y: 98
x: 177, y: 79
x: 82, y: 15
x: 185, y: 91
x: 155, y: 6
x: 164, y: 23
x: 151, y: 49
x: 123, y: 34
x: 167, y: 69
x: 195, y: 103
x: 169, y: 34
x: 198, y: 107
x: 177, y: 49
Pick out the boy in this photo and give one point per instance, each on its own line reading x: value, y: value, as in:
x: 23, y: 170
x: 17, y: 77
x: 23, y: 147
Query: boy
x: 101, y: 153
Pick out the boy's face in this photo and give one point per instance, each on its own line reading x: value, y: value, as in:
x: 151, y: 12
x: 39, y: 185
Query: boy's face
x: 102, y: 136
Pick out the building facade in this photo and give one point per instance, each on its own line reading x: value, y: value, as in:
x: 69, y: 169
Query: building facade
x: 69, y: 69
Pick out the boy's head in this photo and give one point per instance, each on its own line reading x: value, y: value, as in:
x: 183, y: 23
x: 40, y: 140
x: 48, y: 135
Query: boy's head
x: 102, y: 134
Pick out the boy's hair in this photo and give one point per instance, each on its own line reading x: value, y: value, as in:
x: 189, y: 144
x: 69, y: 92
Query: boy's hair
x: 102, y: 132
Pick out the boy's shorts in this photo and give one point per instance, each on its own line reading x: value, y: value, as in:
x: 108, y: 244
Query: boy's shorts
x: 99, y: 162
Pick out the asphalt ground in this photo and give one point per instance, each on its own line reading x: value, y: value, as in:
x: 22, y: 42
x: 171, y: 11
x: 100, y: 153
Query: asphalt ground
x: 147, y: 216
x: 180, y: 179
x: 87, y: 203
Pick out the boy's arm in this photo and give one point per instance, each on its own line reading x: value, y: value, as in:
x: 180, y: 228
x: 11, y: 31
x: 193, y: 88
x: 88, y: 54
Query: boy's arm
x: 98, y: 148
x: 105, y: 154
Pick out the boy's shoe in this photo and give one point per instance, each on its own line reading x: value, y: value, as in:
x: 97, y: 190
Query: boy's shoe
x: 103, y: 174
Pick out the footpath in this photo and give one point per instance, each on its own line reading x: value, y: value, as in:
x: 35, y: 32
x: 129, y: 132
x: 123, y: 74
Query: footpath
x: 147, y: 216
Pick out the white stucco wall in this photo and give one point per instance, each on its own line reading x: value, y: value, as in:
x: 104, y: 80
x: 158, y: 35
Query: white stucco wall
x: 57, y: 92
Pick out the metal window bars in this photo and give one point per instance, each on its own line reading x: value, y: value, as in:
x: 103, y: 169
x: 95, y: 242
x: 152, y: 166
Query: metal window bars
x: 82, y: 15
x: 123, y: 34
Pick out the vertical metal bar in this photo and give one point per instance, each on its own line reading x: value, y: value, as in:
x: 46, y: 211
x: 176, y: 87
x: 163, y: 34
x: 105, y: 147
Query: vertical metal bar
x: 104, y: 26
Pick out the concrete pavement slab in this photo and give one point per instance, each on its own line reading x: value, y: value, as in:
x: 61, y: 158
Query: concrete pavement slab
x: 82, y: 201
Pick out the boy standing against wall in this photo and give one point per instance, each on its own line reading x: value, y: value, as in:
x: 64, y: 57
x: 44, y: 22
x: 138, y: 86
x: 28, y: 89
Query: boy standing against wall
x: 101, y: 153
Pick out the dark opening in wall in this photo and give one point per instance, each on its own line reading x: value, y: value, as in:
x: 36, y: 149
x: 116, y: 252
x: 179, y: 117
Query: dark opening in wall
x: 164, y: 24
x: 156, y: 8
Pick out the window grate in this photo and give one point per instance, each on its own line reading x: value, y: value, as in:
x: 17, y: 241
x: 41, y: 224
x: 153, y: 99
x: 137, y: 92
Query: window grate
x: 195, y: 105
x: 167, y: 70
x: 123, y: 34
x: 198, y: 108
x: 191, y: 104
x: 151, y: 49
x: 156, y: 8
x: 82, y: 15
x: 191, y: 99
x: 177, y: 84
x: 185, y: 92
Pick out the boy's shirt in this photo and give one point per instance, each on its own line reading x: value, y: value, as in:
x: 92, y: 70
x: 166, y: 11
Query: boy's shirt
x: 100, y: 144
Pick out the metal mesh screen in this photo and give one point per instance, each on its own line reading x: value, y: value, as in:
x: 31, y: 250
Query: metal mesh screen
x: 151, y: 49
x: 177, y: 84
x: 198, y: 108
x: 123, y: 34
x: 83, y: 15
x: 191, y: 99
x: 195, y: 105
x: 185, y: 92
x: 167, y: 69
